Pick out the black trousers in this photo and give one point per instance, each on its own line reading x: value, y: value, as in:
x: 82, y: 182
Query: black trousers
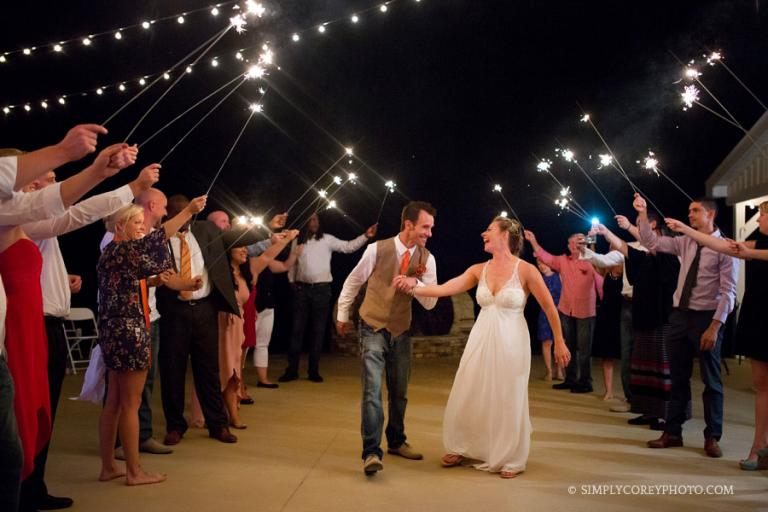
x: 191, y: 332
x: 33, y: 488
x: 311, y: 305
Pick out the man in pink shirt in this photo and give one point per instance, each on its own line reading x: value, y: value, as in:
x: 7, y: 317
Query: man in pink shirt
x: 581, y: 284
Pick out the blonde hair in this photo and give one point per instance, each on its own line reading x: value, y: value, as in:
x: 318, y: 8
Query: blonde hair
x: 11, y: 152
x: 122, y: 216
x: 763, y: 207
x: 515, y: 231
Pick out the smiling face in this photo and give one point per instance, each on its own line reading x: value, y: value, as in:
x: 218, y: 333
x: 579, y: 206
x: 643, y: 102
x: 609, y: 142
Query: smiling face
x: 133, y: 228
x: 239, y: 255
x: 494, y: 238
x: 419, y: 232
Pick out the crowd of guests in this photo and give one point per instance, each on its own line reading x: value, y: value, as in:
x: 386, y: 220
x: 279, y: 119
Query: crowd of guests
x: 175, y: 288
x: 657, y: 305
x: 161, y: 270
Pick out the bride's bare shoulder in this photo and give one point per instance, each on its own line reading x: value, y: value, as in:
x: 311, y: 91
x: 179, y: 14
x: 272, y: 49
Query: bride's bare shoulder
x: 476, y: 269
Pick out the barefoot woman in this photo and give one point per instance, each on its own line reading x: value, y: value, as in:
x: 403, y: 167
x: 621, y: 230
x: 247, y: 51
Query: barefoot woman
x: 124, y: 338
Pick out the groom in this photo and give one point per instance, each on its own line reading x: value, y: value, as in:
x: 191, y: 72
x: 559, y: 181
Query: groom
x: 385, y: 317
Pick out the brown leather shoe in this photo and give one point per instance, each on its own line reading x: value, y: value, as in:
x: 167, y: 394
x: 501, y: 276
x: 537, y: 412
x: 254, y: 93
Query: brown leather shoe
x: 172, y: 438
x: 666, y: 441
x: 224, y: 435
x: 712, y: 448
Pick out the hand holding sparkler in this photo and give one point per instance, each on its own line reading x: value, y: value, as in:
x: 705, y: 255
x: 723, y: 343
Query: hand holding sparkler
x: 197, y: 205
x: 110, y: 161
x: 147, y: 177
x: 623, y: 222
x: 639, y: 204
x: 677, y: 226
x: 371, y: 231
x: 278, y: 221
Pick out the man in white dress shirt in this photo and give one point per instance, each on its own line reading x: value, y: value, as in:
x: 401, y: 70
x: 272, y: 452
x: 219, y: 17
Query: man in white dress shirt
x: 311, y: 282
x: 385, y: 318
x: 18, y: 208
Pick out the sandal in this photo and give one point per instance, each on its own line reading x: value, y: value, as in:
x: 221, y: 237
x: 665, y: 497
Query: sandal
x: 509, y: 474
x: 450, y: 460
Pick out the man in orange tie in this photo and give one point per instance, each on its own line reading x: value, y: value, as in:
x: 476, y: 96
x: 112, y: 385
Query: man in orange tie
x: 385, y: 317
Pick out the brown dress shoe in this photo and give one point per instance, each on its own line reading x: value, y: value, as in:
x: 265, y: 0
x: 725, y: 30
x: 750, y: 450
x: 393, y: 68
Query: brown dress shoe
x: 172, y: 438
x: 712, y: 448
x: 224, y: 435
x: 666, y: 441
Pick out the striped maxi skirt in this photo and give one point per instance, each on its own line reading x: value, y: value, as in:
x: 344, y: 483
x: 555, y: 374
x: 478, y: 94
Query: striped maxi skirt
x: 650, y: 375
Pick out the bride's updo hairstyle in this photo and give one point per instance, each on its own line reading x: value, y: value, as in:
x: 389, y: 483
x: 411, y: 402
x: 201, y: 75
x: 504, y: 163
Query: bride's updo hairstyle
x: 515, y: 231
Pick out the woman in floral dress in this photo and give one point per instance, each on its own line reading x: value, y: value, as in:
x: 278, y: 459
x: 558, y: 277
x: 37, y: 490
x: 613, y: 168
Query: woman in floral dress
x: 123, y: 268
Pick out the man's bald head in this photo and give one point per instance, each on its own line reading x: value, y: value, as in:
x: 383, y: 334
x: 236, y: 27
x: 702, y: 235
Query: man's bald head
x: 220, y: 218
x: 154, y: 203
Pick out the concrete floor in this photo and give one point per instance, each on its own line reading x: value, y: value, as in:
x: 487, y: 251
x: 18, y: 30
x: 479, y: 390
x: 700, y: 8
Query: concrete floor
x: 301, y: 452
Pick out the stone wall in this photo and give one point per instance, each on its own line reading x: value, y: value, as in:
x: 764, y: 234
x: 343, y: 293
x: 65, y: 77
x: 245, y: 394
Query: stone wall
x: 424, y: 347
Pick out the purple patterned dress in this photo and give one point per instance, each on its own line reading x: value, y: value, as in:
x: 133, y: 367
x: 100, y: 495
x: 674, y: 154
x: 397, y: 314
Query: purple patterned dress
x: 123, y: 334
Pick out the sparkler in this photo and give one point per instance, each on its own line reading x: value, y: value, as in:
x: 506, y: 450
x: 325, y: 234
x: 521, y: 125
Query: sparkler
x: 205, y: 116
x: 329, y: 169
x: 691, y: 95
x: 390, y: 188
x: 651, y: 163
x: 231, y: 149
x: 497, y: 188
x: 715, y: 58
x: 215, y: 37
x: 570, y: 157
x: 173, y: 84
x: 544, y: 166
x: 187, y: 111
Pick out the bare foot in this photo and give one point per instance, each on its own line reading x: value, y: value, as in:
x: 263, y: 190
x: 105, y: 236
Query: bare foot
x: 509, y: 474
x: 238, y: 425
x: 547, y: 377
x: 108, y: 474
x: 451, y: 459
x: 607, y: 397
x: 142, y: 478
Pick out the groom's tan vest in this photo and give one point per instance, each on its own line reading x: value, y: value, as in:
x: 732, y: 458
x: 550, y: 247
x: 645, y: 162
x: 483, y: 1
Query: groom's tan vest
x: 383, y: 306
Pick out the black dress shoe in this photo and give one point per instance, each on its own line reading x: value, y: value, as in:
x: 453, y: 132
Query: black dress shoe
x: 315, y: 378
x: 642, y: 420
x: 246, y: 401
x: 288, y: 377
x: 265, y: 385
x: 581, y: 389
x: 562, y: 385
x: 49, y: 502
x: 657, y: 424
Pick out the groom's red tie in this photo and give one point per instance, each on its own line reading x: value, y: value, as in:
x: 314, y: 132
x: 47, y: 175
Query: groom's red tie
x: 405, y: 262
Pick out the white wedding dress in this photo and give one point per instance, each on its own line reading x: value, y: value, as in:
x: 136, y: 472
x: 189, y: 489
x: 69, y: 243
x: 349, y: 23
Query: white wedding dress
x: 486, y: 418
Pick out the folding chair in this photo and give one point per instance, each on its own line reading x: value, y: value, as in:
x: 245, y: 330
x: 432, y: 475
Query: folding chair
x: 80, y: 328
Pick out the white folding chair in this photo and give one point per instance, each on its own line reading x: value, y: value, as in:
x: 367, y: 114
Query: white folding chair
x: 81, y: 330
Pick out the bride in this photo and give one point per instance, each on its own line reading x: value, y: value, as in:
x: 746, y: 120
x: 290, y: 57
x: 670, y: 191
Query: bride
x: 486, y: 418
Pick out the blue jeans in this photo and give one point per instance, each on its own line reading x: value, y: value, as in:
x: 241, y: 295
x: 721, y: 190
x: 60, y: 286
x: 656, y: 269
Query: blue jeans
x: 380, y: 351
x: 11, y: 458
x: 578, y: 338
x: 686, y: 328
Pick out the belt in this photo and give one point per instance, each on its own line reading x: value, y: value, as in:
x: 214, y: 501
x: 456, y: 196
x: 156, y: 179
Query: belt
x: 195, y: 302
x: 312, y: 285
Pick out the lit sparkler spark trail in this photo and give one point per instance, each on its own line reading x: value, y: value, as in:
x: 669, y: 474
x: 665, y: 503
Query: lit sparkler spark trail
x: 255, y: 71
x: 256, y: 8
x: 651, y: 163
x: 584, y: 118
x: 690, y: 95
x: 390, y: 188
x: 497, y: 188
x: 352, y: 177
x: 238, y: 23
x: 605, y: 160
x: 337, y: 180
x: 544, y: 165
x: 569, y: 156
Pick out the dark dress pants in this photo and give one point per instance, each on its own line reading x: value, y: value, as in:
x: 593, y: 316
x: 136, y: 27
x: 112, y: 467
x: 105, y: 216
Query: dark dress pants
x: 311, y: 305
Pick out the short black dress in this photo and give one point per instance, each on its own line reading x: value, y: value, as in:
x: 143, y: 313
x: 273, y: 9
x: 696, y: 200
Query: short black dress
x: 751, y: 339
x: 606, y: 342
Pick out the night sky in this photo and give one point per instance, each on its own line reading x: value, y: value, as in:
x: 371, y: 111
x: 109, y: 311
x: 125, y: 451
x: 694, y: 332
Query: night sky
x: 445, y: 97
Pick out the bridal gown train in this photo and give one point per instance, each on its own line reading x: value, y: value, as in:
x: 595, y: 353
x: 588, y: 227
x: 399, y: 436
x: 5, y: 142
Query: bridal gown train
x: 486, y: 418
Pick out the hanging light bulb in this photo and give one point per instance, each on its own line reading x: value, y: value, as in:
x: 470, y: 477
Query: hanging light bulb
x: 99, y: 91
x: 321, y: 29
x: 142, y: 81
x: 355, y: 18
x: 121, y: 87
x: 180, y: 20
x: 118, y: 35
x: 6, y: 110
x: 166, y: 76
x: 383, y: 8
x: 295, y: 37
x: 145, y: 25
x: 87, y: 41
x: 62, y: 100
x: 215, y: 11
x: 27, y: 107
x: 58, y: 48
x: 44, y: 104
